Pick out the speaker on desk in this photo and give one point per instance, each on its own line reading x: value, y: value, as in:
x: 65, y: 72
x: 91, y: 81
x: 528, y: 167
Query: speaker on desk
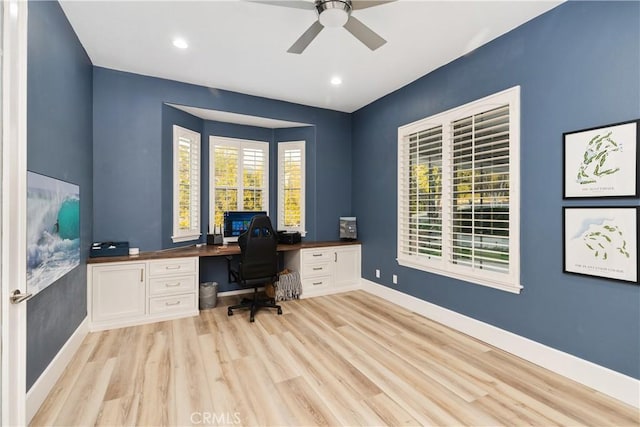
x: 348, y: 230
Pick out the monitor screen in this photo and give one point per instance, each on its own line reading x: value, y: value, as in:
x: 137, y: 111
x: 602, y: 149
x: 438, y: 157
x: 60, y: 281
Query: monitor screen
x: 237, y: 222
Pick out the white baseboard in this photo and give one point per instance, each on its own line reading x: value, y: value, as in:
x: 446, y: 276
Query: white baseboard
x: 604, y: 380
x: 44, y: 384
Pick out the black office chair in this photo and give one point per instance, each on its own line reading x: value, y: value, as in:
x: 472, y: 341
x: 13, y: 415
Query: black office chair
x: 258, y: 264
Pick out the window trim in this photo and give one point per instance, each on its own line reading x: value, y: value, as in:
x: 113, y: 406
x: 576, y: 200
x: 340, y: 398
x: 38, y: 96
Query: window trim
x: 193, y: 233
x: 507, y: 282
x: 282, y: 146
x: 240, y: 144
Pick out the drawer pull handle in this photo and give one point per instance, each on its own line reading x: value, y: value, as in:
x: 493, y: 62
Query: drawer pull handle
x: 169, y: 304
x: 172, y: 285
x: 316, y: 283
x: 172, y: 267
x: 317, y: 268
x: 317, y: 255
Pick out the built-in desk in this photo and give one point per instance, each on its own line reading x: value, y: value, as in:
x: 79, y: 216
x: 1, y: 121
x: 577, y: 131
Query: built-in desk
x: 209, y: 251
x: 162, y: 285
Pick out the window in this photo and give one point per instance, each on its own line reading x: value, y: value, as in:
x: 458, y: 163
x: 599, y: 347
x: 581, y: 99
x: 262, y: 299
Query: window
x: 458, y: 192
x: 186, y: 184
x: 239, y: 176
x: 291, y: 179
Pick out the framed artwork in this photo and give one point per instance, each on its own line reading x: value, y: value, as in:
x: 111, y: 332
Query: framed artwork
x: 53, y: 230
x: 601, y: 241
x: 602, y: 161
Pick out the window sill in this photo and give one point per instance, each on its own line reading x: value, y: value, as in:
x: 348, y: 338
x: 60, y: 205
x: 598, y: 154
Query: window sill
x: 503, y: 286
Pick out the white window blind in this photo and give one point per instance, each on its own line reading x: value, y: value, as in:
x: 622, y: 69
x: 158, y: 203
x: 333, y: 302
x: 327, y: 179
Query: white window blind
x: 291, y: 180
x: 186, y: 184
x: 420, y: 225
x: 479, y: 211
x: 458, y: 185
x: 239, y: 176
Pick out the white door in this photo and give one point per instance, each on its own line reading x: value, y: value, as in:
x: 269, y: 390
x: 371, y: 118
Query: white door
x: 13, y: 152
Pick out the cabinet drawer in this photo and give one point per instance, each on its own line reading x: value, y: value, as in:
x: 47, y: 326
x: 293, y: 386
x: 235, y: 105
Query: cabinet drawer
x: 172, y: 285
x: 168, y: 304
x: 319, y: 269
x: 319, y: 255
x: 313, y: 284
x: 172, y: 266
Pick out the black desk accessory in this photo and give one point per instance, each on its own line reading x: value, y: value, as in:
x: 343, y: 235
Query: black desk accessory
x: 289, y: 237
x: 214, y: 239
x: 102, y: 249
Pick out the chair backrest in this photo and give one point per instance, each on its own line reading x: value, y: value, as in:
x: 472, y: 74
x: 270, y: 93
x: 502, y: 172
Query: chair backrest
x: 258, y: 252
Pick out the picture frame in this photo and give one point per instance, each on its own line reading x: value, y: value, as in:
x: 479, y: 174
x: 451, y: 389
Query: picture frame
x: 601, y: 242
x: 602, y: 161
x: 53, y: 230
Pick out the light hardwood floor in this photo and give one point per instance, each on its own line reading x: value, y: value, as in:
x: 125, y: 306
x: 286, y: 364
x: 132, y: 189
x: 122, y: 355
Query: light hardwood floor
x: 348, y: 359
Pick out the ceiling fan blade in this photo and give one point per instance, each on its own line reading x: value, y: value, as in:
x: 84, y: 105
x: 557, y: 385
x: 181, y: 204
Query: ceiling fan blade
x: 301, y: 44
x: 296, y: 4
x: 363, y: 4
x: 363, y: 33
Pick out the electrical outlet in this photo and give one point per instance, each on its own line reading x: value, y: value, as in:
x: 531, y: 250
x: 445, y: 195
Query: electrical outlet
x: 377, y: 273
x: 395, y: 279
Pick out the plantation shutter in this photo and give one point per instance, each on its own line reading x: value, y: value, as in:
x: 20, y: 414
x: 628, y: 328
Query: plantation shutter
x: 226, y: 181
x: 253, y: 173
x: 291, y: 176
x: 479, y: 215
x: 240, y: 176
x: 420, y: 215
x: 458, y: 192
x: 186, y: 184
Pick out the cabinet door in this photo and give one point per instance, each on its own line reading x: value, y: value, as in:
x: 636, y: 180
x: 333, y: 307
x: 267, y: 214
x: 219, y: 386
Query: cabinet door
x: 118, y: 292
x: 347, y: 265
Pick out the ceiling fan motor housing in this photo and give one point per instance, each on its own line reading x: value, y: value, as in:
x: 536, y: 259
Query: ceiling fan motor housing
x: 333, y: 13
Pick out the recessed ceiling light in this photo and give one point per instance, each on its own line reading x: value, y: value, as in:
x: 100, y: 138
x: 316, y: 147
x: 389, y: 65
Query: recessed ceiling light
x: 180, y: 43
x: 336, y: 81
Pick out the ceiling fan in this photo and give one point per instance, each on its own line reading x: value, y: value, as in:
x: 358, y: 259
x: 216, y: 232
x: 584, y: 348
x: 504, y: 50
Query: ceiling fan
x: 333, y: 13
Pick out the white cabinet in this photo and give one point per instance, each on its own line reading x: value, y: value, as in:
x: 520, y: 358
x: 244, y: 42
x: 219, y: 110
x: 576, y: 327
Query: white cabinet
x: 347, y: 266
x: 131, y: 293
x: 326, y: 270
x: 173, y: 287
x: 118, y: 292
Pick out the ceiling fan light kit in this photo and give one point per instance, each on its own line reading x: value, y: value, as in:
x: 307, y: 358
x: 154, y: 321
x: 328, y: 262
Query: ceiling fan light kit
x: 333, y: 13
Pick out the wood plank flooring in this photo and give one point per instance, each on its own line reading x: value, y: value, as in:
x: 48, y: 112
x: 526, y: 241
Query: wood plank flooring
x: 348, y: 359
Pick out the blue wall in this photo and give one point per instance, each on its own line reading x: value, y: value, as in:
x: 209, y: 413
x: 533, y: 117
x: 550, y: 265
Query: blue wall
x: 578, y: 66
x: 130, y: 156
x: 59, y: 136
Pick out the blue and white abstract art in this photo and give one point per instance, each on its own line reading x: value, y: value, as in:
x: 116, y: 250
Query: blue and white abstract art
x: 53, y: 230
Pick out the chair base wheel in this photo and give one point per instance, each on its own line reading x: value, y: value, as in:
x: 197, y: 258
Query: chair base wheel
x: 254, y: 305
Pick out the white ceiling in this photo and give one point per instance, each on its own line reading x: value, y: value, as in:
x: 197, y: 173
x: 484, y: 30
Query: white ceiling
x: 242, y: 46
x: 239, y: 119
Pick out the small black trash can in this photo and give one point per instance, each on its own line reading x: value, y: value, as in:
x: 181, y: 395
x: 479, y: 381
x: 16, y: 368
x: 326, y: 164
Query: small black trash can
x: 208, y: 295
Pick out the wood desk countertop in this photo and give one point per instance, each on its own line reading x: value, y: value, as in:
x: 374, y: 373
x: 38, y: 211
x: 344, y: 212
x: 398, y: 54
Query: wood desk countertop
x: 209, y: 251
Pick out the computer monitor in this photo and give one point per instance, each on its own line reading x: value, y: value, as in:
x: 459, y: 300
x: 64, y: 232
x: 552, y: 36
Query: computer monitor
x: 236, y: 223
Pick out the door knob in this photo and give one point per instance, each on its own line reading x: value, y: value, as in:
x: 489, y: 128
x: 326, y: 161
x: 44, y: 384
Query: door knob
x: 17, y: 296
